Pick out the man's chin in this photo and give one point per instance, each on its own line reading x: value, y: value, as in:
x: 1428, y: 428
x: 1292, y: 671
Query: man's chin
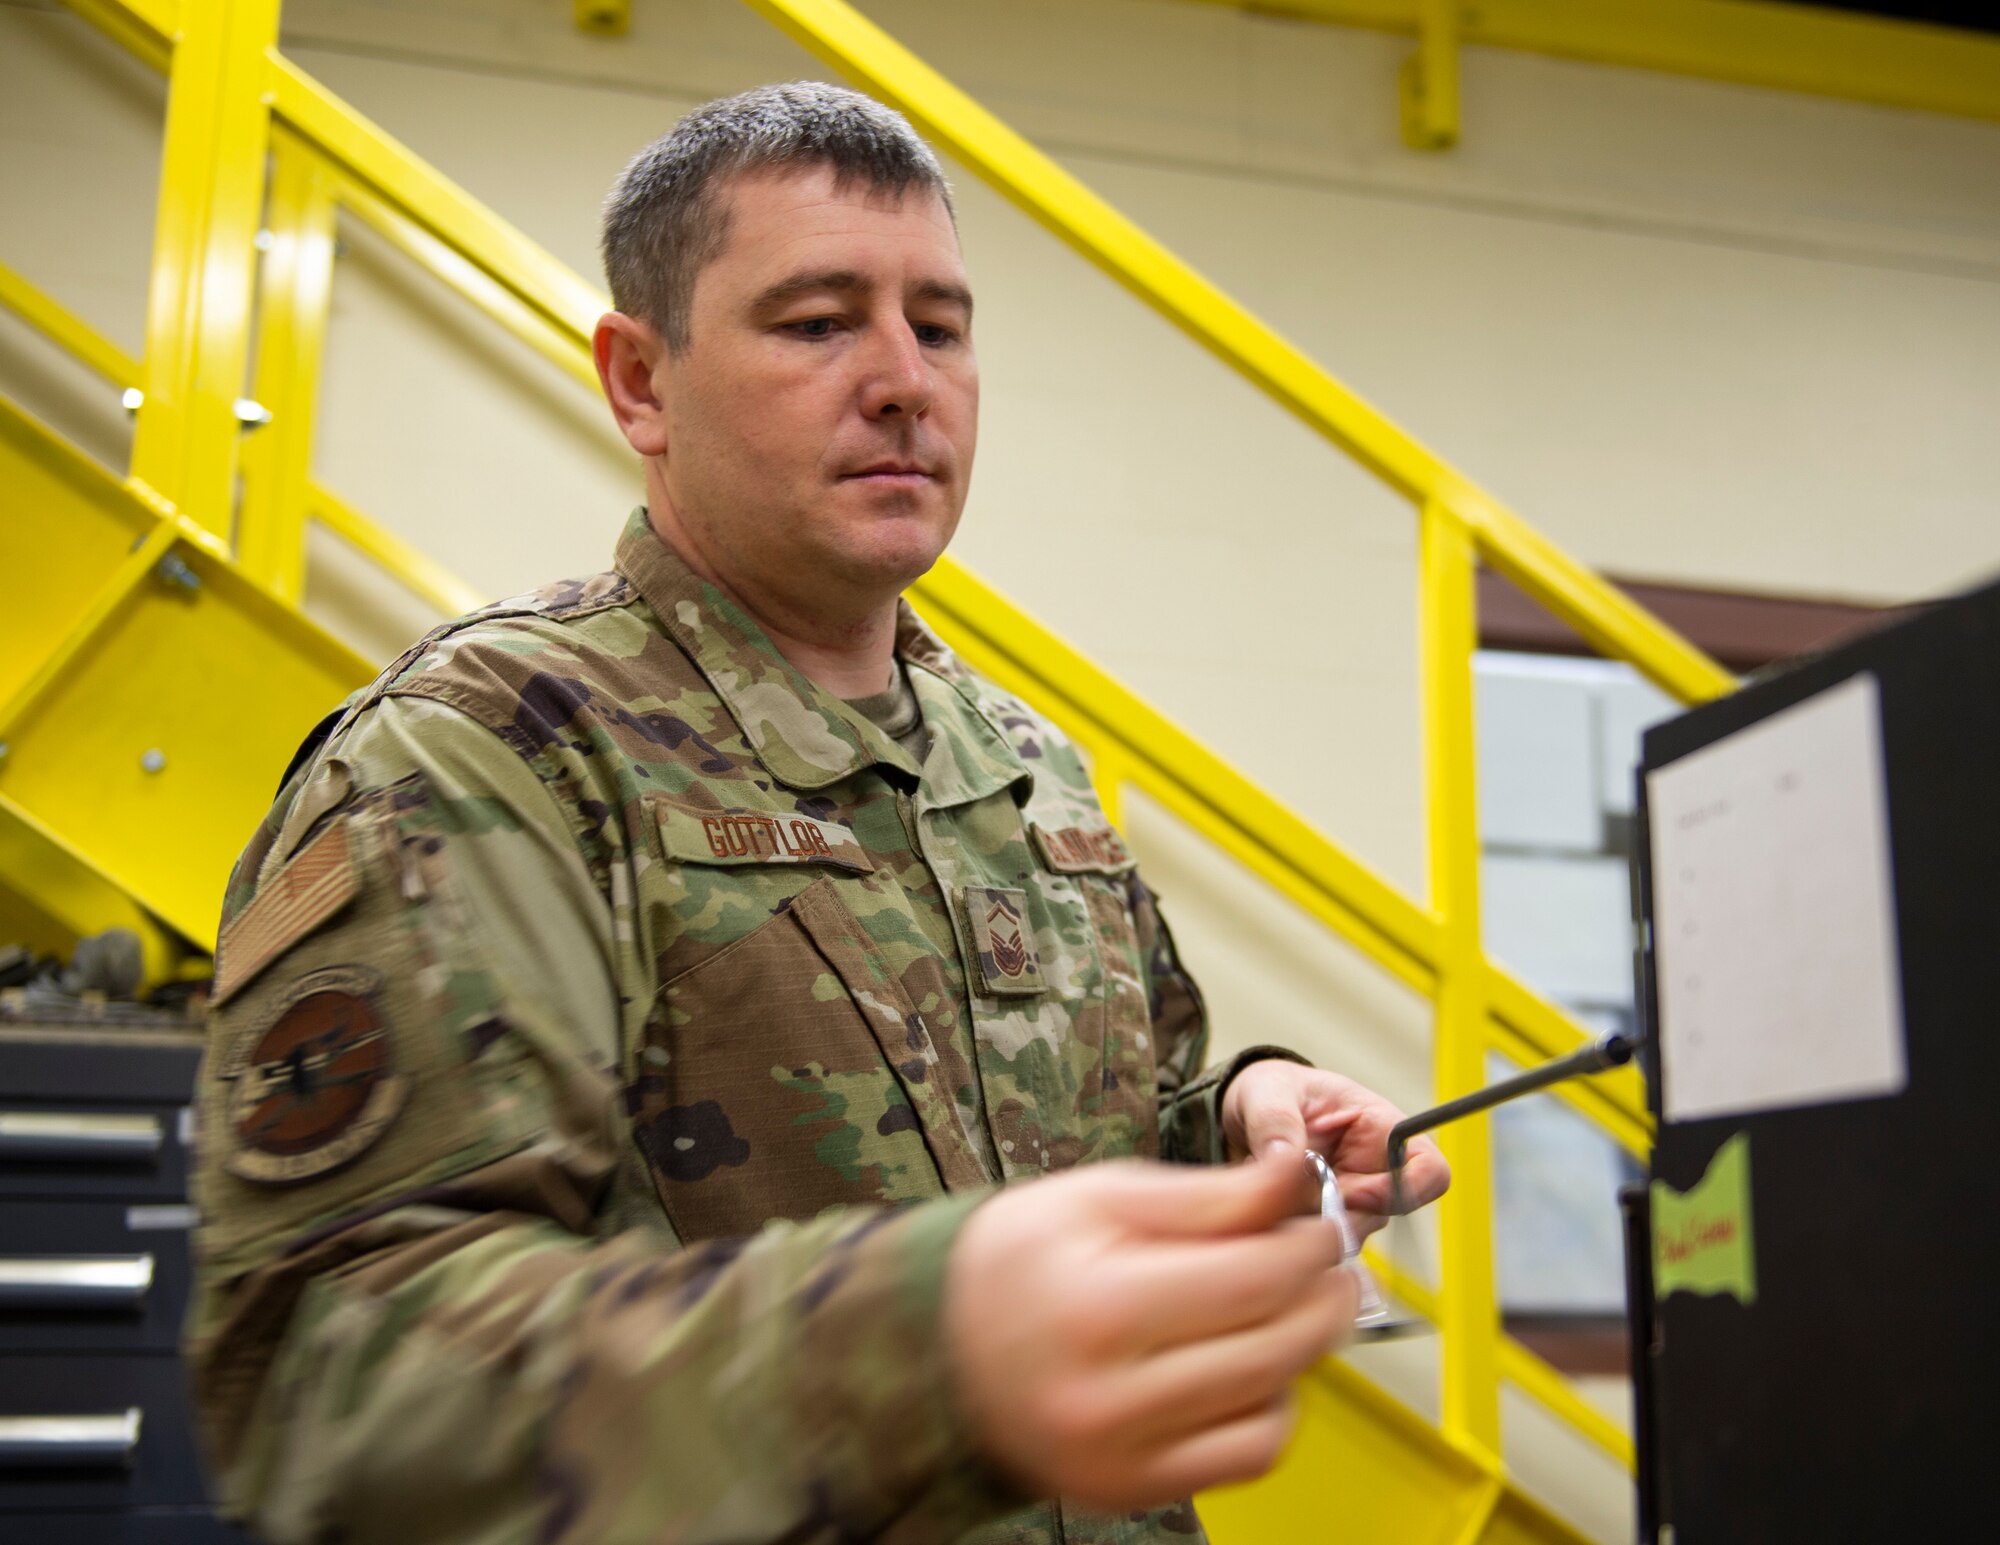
x: 894, y: 551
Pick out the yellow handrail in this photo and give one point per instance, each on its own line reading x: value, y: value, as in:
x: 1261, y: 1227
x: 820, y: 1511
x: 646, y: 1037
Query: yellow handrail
x: 1785, y: 47
x: 326, y: 158
x: 66, y: 330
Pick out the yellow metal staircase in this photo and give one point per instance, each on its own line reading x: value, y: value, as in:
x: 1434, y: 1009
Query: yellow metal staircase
x: 156, y: 676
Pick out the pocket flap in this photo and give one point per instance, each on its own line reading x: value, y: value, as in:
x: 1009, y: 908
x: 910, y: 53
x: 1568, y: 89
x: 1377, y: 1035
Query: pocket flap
x: 757, y: 837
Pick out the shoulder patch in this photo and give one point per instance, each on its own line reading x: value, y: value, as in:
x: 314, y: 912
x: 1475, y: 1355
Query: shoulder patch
x: 1083, y: 849
x: 312, y: 1084
x: 758, y: 837
x: 314, y: 883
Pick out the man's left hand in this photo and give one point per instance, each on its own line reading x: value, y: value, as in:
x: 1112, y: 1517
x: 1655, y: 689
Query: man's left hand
x: 1273, y: 1104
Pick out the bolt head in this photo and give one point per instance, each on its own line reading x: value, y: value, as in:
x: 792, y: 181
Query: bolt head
x: 153, y: 760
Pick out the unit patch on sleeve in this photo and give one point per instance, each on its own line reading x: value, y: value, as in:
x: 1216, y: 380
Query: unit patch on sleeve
x: 1004, y: 938
x: 1082, y: 849
x: 313, y: 1082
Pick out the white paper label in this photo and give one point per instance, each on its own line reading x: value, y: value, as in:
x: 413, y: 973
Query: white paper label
x: 1774, y: 923
x: 160, y: 1216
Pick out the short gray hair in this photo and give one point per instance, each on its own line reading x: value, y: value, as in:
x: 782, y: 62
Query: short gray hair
x: 665, y: 218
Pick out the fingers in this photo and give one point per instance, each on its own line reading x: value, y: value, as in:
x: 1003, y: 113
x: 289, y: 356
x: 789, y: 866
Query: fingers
x: 1426, y: 1177
x: 1176, y: 1291
x: 1272, y: 1118
x: 1121, y: 1334
x: 1184, y: 1202
x: 1230, y: 1451
x: 1200, y: 1384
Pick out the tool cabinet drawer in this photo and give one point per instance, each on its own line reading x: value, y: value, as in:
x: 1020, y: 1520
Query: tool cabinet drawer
x: 144, y: 1067
x: 68, y: 1149
x: 94, y: 1430
x: 92, y: 1276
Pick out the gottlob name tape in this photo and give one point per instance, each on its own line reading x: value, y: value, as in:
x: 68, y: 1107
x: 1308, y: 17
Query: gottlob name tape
x: 1702, y: 1238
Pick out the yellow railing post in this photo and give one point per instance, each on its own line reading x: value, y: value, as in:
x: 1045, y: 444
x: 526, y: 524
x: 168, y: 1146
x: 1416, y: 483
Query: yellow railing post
x: 297, y: 287
x: 1468, y: 1313
x: 1429, y: 81
x: 203, y: 275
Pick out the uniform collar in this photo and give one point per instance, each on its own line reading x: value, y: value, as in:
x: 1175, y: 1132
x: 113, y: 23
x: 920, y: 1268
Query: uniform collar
x: 804, y: 736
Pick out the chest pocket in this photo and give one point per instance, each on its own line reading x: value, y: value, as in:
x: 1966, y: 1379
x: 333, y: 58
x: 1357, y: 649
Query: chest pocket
x: 1089, y: 869
x: 1058, y: 1004
x: 784, y: 1071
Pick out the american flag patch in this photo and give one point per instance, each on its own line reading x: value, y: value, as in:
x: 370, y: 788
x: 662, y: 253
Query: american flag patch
x: 318, y: 881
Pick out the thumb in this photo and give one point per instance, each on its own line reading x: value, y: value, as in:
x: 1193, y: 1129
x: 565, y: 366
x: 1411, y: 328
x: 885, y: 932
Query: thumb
x: 1170, y: 1201
x: 1274, y: 1126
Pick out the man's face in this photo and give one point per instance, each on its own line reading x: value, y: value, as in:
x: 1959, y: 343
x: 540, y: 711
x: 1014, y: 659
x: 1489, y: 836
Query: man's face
x: 820, y: 422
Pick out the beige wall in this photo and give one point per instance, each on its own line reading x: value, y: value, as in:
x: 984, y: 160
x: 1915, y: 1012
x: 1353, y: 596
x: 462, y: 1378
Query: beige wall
x: 1693, y: 331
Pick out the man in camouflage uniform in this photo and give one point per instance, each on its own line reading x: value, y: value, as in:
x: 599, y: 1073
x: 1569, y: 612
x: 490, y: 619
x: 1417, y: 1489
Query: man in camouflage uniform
x: 629, y: 1012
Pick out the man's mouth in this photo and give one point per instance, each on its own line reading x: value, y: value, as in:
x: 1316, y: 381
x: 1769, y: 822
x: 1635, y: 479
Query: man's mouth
x: 890, y: 472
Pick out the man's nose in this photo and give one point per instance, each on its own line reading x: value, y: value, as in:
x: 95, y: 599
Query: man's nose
x: 898, y: 383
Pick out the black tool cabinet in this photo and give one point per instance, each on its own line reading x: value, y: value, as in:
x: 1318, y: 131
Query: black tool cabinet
x: 97, y: 1442
x: 1853, y: 1400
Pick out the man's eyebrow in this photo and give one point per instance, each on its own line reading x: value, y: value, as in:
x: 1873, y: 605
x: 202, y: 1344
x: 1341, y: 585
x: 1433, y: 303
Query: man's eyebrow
x: 795, y: 285
x: 939, y: 289
x: 848, y: 281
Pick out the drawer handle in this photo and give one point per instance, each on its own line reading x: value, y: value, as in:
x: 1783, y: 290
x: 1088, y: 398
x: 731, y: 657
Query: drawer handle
x: 75, y: 1281
x: 69, y: 1442
x: 87, y: 1135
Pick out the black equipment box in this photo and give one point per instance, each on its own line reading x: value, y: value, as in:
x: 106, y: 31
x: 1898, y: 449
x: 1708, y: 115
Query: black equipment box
x: 1844, y: 1387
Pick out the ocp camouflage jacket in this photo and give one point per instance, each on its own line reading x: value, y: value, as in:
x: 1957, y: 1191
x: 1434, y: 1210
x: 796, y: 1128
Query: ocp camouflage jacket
x: 611, y: 1031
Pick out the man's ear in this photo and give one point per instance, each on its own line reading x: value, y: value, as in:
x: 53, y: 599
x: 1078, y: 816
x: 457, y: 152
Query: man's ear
x: 628, y: 351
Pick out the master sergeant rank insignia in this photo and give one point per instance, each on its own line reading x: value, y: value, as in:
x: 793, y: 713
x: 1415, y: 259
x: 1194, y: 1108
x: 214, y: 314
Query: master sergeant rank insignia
x: 313, y: 1085
x: 1005, y: 940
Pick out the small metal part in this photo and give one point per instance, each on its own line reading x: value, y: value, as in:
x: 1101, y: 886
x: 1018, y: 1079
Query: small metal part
x: 132, y: 400
x: 153, y: 760
x: 606, y: 18
x: 251, y: 413
x: 1614, y: 1050
x: 1372, y: 1317
x: 173, y: 569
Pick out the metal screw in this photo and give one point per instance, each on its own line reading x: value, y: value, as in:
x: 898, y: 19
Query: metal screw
x: 173, y: 570
x: 608, y: 17
x: 251, y: 413
x: 133, y: 399
x: 153, y: 760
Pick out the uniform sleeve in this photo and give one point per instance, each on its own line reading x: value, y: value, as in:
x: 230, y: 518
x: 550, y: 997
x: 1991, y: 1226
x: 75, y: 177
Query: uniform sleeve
x: 1190, y: 1098
x: 412, y: 1319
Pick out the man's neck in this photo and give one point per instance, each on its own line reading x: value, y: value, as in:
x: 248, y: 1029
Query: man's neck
x: 849, y: 658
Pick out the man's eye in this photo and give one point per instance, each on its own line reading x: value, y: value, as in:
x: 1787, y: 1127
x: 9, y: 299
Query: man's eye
x: 934, y: 334
x: 814, y: 327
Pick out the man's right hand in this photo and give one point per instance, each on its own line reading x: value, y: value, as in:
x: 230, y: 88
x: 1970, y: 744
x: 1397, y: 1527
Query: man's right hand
x: 1126, y: 1334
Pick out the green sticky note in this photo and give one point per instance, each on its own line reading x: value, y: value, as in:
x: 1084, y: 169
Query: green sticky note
x: 1702, y: 1239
